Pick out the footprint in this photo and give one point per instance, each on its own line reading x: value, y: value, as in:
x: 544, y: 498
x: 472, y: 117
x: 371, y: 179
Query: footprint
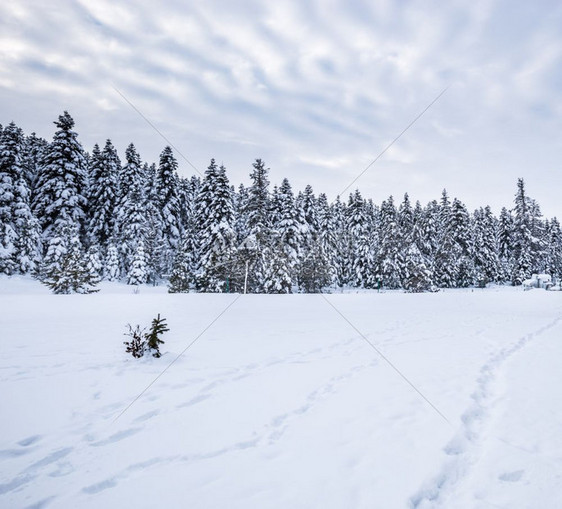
x: 16, y: 483
x: 456, y: 446
x: 511, y: 476
x: 100, y: 486
x: 117, y: 437
x: 194, y: 401
x: 12, y: 453
x: 29, y: 440
x: 148, y: 415
x: 50, y: 458
x: 42, y: 503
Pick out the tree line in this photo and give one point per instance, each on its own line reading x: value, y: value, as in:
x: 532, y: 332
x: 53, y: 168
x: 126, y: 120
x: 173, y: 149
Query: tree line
x: 72, y: 218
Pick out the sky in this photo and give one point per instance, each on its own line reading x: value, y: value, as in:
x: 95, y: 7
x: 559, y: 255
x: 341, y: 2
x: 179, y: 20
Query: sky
x: 316, y: 88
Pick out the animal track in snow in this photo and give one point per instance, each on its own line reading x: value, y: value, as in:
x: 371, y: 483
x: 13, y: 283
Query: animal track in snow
x: 511, y: 476
x: 461, y: 448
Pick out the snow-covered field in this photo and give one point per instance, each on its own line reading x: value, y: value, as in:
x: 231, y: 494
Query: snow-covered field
x: 281, y: 403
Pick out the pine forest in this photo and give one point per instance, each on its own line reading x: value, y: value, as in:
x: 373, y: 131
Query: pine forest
x: 72, y: 218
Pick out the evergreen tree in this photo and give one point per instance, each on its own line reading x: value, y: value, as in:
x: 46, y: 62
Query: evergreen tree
x: 10, y: 172
x: 103, y: 193
x: 485, y: 245
x: 416, y: 277
x: 307, y: 201
x: 522, y: 237
x: 327, y: 234
x: 153, y: 341
x: 137, y: 274
x: 34, y: 149
x: 216, y: 236
x: 66, y: 270
x: 554, y: 249
x: 343, y: 256
x: 314, y: 272
x: 167, y: 194
x: 112, y: 270
x: 361, y: 259
x: 257, y: 227
x: 428, y: 234
x: 390, y: 259
x: 182, y: 278
x: 94, y: 264
x: 290, y: 229
x: 257, y: 203
x: 459, y: 229
x: 505, y: 245
x: 277, y: 276
x: 132, y: 220
x: 60, y: 193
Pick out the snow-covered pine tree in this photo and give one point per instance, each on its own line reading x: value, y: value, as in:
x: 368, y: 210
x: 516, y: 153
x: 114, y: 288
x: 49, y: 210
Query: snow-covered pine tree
x: 19, y: 230
x: 428, y: 233
x: 416, y: 275
x: 327, y: 234
x: 185, y: 203
x: 307, y: 201
x: 94, y: 264
x: 10, y: 172
x: 154, y: 244
x: 28, y: 243
x: 8, y: 241
x: 240, y: 199
x: 289, y: 229
x: 103, y: 194
x: 313, y: 263
x: 257, y: 202
x: 554, y: 249
x: 216, y: 238
x: 66, y: 269
x: 539, y: 237
x: 33, y: 153
x: 485, y: 247
x: 276, y: 275
x: 391, y: 265
x: 132, y: 221
x: 138, y: 274
x: 405, y: 219
x: 522, y: 237
x: 274, y: 207
x: 358, y: 263
x: 167, y: 194
x: 258, y: 226
x: 182, y: 277
x: 460, y: 230
x: 505, y: 245
x: 342, y: 258
x: 111, y: 269
x: 149, y: 172
x: 61, y: 186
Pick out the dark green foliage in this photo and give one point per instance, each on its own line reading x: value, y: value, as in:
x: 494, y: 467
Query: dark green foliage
x: 142, y: 341
x: 153, y: 340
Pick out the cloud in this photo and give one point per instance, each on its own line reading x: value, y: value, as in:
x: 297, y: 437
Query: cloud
x: 315, y: 88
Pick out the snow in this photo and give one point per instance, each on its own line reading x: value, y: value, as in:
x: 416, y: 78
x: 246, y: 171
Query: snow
x: 280, y: 403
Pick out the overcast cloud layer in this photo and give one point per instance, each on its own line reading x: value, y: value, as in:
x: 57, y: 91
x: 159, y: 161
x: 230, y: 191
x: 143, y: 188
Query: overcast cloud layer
x: 317, y: 88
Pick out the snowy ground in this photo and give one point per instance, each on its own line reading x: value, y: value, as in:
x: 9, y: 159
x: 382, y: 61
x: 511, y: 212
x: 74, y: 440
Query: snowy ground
x: 281, y: 404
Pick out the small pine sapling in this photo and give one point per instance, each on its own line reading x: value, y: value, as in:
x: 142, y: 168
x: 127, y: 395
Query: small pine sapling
x: 137, y: 346
x: 142, y: 341
x: 158, y: 327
